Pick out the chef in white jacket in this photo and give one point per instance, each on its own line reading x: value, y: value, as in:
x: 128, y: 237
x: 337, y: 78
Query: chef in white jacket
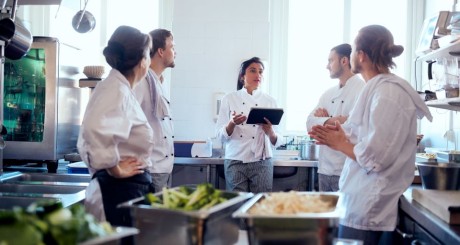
x: 248, y: 147
x: 115, y: 138
x: 151, y: 94
x: 335, y: 105
x: 379, y: 139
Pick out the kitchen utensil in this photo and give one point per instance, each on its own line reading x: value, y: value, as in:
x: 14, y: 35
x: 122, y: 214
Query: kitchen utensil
x: 17, y: 38
x: 449, y: 135
x: 439, y: 176
x: 83, y: 21
x: 309, y: 150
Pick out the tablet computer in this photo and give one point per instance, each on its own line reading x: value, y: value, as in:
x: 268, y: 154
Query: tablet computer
x: 257, y: 114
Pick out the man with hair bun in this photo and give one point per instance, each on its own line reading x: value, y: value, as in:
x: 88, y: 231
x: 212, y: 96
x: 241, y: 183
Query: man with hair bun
x: 378, y: 139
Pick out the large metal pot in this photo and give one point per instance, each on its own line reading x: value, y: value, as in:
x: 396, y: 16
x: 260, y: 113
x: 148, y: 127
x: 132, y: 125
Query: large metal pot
x: 18, y: 39
x: 309, y: 150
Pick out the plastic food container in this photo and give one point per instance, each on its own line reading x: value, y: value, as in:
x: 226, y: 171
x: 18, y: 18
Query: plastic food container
x: 301, y: 228
x: 167, y: 226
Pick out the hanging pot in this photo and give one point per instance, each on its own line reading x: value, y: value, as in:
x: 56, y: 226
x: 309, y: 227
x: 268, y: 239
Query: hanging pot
x: 83, y: 21
x: 18, y: 39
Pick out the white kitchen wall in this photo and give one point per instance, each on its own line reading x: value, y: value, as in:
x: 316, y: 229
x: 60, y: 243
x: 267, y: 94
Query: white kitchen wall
x: 212, y: 39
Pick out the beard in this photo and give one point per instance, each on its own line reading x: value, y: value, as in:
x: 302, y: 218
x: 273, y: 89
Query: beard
x: 337, y: 73
x: 356, y: 68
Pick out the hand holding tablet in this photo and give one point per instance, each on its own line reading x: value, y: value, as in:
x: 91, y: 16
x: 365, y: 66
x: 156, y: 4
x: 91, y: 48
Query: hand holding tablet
x: 257, y: 114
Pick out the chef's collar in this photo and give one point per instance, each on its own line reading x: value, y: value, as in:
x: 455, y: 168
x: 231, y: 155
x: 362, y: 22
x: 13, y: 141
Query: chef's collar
x: 254, y: 92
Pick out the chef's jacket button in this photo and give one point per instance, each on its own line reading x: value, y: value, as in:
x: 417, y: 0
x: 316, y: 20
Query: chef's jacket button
x: 253, y: 125
x: 165, y: 137
x: 253, y: 137
x: 257, y: 105
x: 241, y: 136
x: 332, y: 101
x: 168, y: 102
x: 163, y: 119
x: 243, y: 103
x: 166, y: 156
x: 342, y: 101
x: 172, y: 154
x: 241, y: 113
x: 170, y: 119
x: 172, y: 136
x: 330, y: 116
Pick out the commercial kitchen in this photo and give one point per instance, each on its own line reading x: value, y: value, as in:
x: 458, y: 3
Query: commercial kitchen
x: 38, y: 153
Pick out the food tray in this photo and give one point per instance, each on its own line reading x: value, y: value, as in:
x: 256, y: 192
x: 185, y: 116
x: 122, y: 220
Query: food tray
x: 301, y: 228
x: 167, y: 226
x: 114, y: 238
x: 449, y: 156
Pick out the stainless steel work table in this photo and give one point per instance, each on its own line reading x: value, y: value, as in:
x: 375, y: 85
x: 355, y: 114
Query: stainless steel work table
x: 209, y: 162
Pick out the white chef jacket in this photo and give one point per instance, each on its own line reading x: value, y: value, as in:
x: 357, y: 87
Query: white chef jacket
x: 114, y: 126
x: 383, y: 127
x: 155, y: 103
x: 248, y: 142
x: 338, y: 102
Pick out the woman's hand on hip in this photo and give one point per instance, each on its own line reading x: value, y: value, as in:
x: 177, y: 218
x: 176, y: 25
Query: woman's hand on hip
x: 127, y: 167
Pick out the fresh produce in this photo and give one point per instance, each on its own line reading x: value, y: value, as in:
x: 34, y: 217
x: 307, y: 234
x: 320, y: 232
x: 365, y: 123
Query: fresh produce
x: 185, y: 198
x: 49, y: 223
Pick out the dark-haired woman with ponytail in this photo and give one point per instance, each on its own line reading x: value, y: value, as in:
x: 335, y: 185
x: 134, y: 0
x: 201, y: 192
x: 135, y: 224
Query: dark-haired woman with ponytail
x: 248, y: 147
x: 115, y: 138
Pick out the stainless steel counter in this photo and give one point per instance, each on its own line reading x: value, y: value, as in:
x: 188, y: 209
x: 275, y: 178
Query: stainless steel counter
x: 441, y: 230
x: 211, y: 162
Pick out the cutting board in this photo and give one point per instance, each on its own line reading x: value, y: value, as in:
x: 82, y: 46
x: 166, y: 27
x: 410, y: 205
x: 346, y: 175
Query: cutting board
x: 444, y: 204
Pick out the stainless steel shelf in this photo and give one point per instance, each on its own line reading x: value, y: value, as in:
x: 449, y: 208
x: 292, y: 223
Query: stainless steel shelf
x: 447, y: 104
x: 451, y: 50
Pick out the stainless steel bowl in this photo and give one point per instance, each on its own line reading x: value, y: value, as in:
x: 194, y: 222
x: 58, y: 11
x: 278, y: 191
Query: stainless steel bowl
x: 439, y: 176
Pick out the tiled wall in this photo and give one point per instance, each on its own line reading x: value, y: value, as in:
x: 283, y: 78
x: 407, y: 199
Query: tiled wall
x: 212, y: 39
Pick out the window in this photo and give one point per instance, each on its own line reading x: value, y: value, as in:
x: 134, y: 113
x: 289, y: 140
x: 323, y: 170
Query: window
x: 311, y: 32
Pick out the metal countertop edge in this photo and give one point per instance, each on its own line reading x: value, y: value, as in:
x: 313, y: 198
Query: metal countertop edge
x: 219, y: 161
x: 447, y: 234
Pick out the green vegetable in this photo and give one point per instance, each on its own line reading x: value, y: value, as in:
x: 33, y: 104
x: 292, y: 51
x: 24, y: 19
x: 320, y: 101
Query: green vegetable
x: 185, y: 198
x: 49, y: 223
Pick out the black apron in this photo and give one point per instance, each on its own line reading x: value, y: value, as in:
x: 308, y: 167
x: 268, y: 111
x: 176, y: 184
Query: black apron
x: 115, y: 191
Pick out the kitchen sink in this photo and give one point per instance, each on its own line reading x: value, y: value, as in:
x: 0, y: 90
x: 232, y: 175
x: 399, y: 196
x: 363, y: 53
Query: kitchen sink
x: 41, y: 189
x: 48, y: 177
x: 8, y: 202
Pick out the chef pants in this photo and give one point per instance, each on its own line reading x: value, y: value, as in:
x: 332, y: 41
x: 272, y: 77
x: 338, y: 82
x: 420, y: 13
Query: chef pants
x: 250, y: 176
x: 366, y: 236
x: 115, y: 191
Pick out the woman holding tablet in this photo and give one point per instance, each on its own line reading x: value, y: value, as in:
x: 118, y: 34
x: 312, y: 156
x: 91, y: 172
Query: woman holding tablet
x: 248, y: 147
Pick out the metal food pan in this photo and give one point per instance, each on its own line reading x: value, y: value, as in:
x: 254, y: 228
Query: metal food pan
x: 447, y: 156
x: 301, y: 228
x: 168, y: 226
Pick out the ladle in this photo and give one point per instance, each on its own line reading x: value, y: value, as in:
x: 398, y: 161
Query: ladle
x: 82, y: 14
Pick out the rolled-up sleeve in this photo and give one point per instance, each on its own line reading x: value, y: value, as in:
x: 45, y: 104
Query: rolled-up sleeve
x: 379, y: 148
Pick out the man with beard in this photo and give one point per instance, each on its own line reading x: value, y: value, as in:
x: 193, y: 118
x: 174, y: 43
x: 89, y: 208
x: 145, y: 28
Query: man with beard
x: 378, y: 139
x: 334, y: 107
x: 155, y: 103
